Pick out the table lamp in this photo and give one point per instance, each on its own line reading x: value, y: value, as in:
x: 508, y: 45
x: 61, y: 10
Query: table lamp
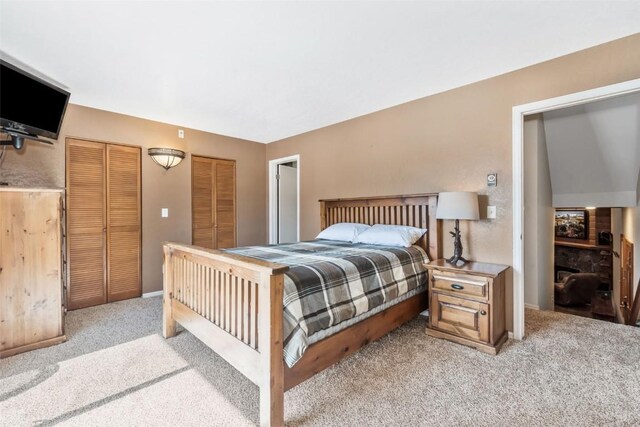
x: 457, y: 205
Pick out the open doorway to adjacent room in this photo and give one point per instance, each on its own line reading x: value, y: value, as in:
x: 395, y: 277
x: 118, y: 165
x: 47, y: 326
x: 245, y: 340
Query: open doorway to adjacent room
x: 584, y: 270
x: 576, y: 208
x: 284, y: 200
x: 595, y: 263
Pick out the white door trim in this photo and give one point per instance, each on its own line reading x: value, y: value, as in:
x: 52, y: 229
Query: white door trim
x: 519, y: 112
x: 273, y: 201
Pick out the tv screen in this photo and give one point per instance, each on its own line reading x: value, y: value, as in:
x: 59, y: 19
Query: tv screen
x: 29, y: 104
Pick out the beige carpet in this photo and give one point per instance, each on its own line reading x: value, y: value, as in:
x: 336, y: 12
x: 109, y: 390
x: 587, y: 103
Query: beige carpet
x: 116, y: 369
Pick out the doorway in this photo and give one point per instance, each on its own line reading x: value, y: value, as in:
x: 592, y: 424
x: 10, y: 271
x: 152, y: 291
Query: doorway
x: 518, y: 116
x: 284, y: 200
x: 584, y: 252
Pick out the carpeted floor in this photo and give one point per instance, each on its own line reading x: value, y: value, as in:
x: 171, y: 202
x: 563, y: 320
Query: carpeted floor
x: 116, y: 369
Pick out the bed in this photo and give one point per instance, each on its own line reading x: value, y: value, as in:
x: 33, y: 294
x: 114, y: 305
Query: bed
x: 233, y: 300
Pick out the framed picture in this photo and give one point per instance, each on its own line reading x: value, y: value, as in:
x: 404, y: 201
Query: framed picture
x: 572, y: 224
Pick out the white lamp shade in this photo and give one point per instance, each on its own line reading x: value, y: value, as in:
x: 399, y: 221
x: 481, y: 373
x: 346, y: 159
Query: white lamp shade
x: 458, y: 205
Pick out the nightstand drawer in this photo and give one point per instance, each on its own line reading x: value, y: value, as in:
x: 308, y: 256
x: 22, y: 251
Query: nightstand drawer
x: 461, y: 285
x: 464, y: 318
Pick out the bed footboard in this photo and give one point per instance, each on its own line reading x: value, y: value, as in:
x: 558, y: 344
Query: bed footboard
x: 234, y: 305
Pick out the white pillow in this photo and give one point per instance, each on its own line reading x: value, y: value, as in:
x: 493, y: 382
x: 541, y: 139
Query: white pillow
x: 343, y: 231
x: 391, y: 235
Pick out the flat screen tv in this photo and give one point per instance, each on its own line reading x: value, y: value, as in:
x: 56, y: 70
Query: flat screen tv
x: 28, y: 104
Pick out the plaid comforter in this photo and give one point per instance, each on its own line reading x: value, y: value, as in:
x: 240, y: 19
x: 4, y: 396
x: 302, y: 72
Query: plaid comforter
x: 329, y: 282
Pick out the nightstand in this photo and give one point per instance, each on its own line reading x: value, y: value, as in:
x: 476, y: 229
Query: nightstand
x: 467, y: 304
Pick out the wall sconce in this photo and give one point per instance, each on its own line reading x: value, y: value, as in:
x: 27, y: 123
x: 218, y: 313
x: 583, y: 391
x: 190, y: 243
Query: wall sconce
x: 166, y: 157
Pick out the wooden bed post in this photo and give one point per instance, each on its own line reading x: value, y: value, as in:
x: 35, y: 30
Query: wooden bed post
x: 168, y: 323
x: 435, y: 230
x: 323, y: 215
x: 270, y: 309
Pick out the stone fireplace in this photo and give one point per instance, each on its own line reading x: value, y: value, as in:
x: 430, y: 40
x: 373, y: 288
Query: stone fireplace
x: 584, y: 260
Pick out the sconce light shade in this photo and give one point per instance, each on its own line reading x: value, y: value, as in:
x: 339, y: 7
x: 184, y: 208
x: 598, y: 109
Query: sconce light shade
x: 166, y: 157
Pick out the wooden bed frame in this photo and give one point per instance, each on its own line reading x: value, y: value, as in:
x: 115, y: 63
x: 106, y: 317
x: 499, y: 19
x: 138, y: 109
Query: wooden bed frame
x: 234, y: 304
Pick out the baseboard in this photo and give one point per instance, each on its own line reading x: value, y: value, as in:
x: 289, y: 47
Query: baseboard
x: 532, y: 306
x: 152, y: 294
x: 32, y: 346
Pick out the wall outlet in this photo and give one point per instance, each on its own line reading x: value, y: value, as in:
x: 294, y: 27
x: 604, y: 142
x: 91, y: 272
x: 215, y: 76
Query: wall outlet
x: 491, y: 212
x: 180, y: 133
x: 164, y: 212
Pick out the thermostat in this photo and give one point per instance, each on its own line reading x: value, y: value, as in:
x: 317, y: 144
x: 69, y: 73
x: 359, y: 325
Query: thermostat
x: 492, y: 179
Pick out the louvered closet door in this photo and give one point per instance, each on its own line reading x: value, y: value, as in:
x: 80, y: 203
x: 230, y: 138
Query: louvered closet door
x: 213, y: 202
x: 86, y: 222
x: 225, y: 203
x: 123, y: 223
x: 202, y: 233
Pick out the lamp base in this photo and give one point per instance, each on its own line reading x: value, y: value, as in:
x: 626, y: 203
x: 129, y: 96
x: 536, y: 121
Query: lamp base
x: 457, y: 260
x: 457, y: 246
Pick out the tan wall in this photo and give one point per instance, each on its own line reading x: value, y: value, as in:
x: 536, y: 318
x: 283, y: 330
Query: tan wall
x: 538, y: 218
x: 448, y: 141
x: 41, y: 165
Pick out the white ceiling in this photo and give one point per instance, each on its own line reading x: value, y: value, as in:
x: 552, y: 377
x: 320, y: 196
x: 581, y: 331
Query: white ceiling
x: 264, y: 71
x: 594, y: 153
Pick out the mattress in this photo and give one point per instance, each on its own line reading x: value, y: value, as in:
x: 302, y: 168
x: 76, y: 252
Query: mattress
x: 326, y: 333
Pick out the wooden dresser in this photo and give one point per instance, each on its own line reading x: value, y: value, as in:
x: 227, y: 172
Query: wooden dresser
x: 31, y: 269
x: 467, y: 304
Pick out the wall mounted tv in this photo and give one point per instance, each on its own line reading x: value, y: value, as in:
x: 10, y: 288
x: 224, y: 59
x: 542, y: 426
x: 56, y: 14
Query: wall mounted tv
x: 30, y: 106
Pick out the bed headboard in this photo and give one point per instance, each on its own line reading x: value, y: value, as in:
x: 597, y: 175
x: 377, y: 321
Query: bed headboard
x: 416, y: 210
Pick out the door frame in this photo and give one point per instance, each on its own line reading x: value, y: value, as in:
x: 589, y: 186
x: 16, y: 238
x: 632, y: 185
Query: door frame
x: 518, y: 114
x: 273, y: 200
x: 626, y: 254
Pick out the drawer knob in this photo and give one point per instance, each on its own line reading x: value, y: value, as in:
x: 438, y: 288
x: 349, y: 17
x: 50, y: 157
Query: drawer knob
x: 483, y: 313
x: 457, y: 287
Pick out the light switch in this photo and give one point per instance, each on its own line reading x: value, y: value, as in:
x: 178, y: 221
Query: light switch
x: 491, y: 212
x: 164, y: 213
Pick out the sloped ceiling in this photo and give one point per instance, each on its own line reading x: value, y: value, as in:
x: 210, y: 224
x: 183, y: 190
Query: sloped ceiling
x: 594, y: 153
x: 266, y: 70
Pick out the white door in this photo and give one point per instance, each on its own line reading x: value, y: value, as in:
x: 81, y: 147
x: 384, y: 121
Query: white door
x: 287, y: 204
